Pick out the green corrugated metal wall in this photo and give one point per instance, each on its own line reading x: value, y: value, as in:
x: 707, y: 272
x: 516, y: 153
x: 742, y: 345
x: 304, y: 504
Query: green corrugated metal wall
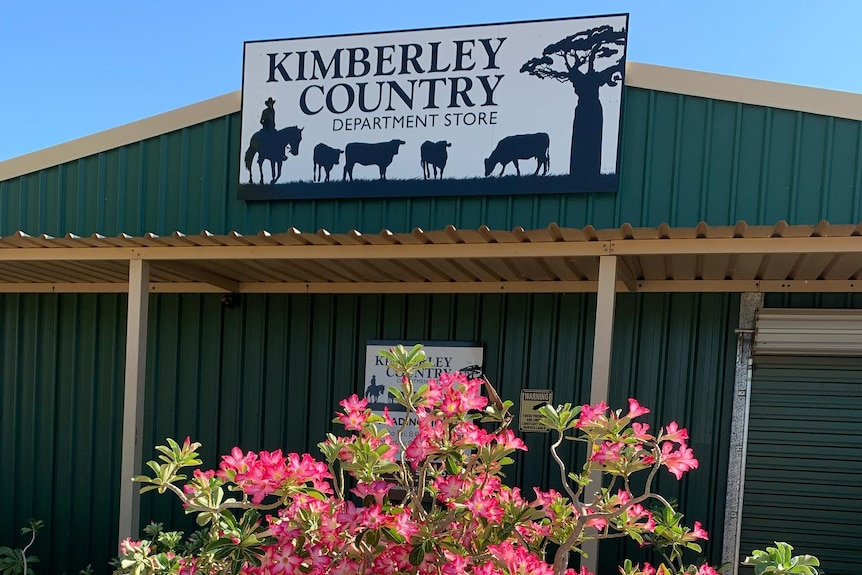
x: 684, y: 159
x: 254, y: 376
x: 804, y: 461
x: 61, y: 363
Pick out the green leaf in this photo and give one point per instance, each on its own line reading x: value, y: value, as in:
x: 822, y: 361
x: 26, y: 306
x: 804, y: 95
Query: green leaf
x: 417, y: 555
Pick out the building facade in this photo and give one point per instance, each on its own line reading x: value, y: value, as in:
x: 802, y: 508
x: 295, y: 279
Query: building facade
x: 737, y: 198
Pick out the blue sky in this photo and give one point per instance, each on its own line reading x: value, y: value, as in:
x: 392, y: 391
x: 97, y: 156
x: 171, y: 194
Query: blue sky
x: 73, y: 68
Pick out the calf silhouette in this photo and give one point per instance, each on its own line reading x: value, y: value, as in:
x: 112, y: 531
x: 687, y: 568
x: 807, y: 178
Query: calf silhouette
x: 379, y: 154
x: 324, y: 158
x: 521, y: 147
x: 435, y: 155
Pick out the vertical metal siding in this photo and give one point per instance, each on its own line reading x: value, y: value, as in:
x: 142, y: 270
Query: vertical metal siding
x: 61, y: 363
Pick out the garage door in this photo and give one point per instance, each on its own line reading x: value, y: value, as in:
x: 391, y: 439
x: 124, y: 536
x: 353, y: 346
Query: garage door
x: 803, y: 473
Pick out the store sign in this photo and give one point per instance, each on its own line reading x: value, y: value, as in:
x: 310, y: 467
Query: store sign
x: 529, y: 107
x: 379, y: 379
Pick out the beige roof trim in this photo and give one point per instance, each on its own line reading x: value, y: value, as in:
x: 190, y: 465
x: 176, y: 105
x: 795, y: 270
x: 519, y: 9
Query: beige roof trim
x: 745, y: 90
x: 675, y: 80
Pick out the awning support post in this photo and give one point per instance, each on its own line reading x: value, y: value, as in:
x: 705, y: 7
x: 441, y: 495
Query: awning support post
x: 133, y: 397
x: 749, y: 304
x: 604, y: 334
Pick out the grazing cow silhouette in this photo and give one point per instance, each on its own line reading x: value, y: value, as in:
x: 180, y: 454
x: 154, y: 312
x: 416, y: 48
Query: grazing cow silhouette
x: 520, y: 147
x: 324, y: 158
x: 434, y: 153
x: 379, y: 154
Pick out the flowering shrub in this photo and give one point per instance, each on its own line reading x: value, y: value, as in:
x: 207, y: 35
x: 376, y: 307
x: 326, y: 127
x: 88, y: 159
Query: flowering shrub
x: 441, y: 509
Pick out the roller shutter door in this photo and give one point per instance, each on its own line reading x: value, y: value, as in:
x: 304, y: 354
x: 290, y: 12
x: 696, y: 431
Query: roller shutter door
x: 803, y: 474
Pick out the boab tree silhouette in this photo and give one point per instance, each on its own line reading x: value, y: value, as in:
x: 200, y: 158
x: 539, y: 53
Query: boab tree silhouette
x: 592, y: 59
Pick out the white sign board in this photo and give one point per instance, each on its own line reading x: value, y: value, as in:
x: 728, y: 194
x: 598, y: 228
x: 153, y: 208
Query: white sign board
x: 444, y: 357
x: 531, y: 401
x: 528, y: 107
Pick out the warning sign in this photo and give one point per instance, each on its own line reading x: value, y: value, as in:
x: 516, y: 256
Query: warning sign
x: 531, y: 401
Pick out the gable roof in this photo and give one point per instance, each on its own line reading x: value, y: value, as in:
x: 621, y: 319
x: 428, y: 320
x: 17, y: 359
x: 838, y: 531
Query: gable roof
x: 647, y: 76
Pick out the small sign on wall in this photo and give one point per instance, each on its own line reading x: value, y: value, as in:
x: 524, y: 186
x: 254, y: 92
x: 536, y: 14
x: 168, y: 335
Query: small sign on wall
x: 531, y: 401
x: 446, y: 356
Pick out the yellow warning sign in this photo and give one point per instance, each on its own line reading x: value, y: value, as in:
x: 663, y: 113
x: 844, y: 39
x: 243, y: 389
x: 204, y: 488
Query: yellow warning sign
x: 531, y: 401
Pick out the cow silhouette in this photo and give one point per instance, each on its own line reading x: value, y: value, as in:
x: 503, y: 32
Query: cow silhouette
x: 435, y: 155
x: 521, y: 147
x: 324, y: 158
x: 379, y: 154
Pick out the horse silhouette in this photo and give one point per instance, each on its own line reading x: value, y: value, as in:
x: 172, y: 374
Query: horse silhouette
x: 272, y: 145
x: 373, y: 392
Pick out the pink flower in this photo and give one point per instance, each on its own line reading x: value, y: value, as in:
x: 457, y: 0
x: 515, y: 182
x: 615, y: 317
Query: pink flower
x: 449, y: 488
x: 546, y: 498
x: 487, y: 568
x: 598, y: 522
x: 640, y: 431
x: 455, y: 564
x: 353, y: 403
x: 355, y: 414
x: 236, y: 464
x: 405, y: 526
x: 607, y: 452
x: 471, y: 434
x: 592, y: 415
x: 635, y: 409
x: 508, y: 440
x: 318, y: 559
x: 485, y: 507
x: 377, y: 489
x: 699, y: 532
x: 673, y: 433
x: 372, y: 517
x: 706, y: 570
x: 417, y: 451
x: 128, y: 545
x: 679, y: 461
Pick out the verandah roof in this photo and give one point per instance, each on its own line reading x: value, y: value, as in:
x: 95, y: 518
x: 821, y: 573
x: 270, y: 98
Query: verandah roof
x: 740, y: 258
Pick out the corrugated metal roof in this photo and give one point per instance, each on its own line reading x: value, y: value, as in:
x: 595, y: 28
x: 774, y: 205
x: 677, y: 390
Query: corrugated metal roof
x: 781, y: 257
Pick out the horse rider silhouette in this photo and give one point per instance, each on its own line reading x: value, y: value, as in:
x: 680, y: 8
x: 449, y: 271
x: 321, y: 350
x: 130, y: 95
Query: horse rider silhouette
x: 271, y: 144
x: 267, y: 119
